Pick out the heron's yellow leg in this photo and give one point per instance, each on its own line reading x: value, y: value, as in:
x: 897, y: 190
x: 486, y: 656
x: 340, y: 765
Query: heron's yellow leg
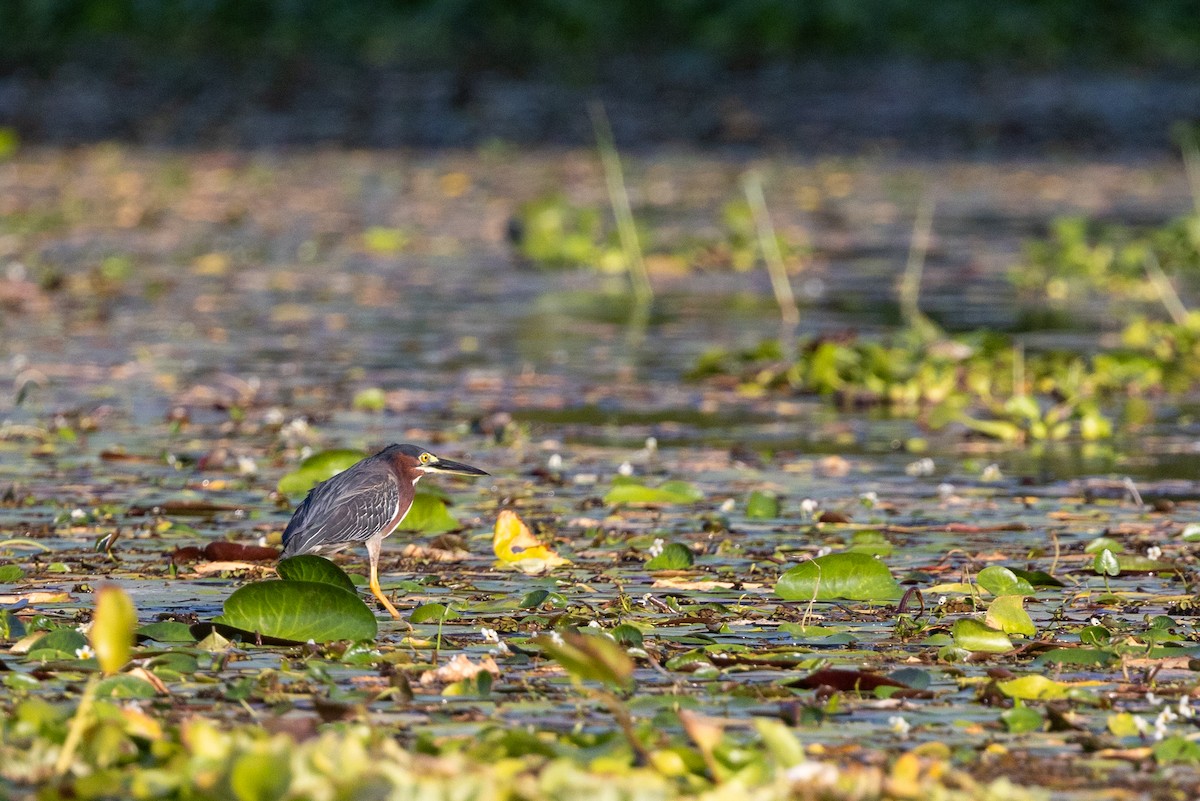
x: 376, y: 590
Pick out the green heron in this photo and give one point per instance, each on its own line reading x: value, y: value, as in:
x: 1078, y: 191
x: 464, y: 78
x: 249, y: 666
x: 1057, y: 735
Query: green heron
x: 365, y: 503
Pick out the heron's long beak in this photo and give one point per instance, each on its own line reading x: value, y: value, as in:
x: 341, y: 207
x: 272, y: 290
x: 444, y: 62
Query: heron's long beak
x: 453, y: 468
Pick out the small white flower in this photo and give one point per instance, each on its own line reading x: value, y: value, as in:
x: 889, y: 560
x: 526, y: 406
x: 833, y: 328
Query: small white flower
x: 656, y: 547
x: 807, y: 507
x: 586, y: 478
x: 900, y: 726
x: 1184, y: 710
x: 647, y: 599
x: 594, y: 624
x: 945, y: 490
x: 77, y: 515
x: 991, y: 474
x: 921, y: 467
x: 490, y: 635
x: 1141, y: 725
x: 556, y: 638
x: 1152, y: 699
x: 1161, y: 723
x: 727, y: 506
x: 247, y: 466
x: 824, y: 550
x: 554, y: 463
x: 943, y: 600
x: 868, y: 499
x: 626, y: 469
x: 651, y: 445
x: 1154, y: 552
x: 274, y: 416
x: 85, y: 652
x: 1095, y: 621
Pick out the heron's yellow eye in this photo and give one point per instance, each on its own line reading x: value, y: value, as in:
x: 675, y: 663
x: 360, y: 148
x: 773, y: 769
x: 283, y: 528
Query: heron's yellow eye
x: 426, y: 458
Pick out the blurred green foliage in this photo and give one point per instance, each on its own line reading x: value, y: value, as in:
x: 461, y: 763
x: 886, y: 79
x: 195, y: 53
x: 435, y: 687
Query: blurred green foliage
x: 580, y: 34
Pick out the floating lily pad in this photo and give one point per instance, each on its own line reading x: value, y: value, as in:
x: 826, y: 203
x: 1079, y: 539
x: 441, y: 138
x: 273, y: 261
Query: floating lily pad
x: 318, y: 467
x: 432, y: 613
x: 839, y: 576
x: 629, y: 491
x: 762, y: 505
x: 58, y: 643
x: 310, y: 567
x: 299, y: 610
x: 675, y: 556
x: 975, y: 635
x: 1001, y: 581
x: 166, y: 631
x: 429, y: 515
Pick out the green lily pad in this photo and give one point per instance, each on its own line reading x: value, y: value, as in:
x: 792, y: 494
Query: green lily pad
x: 299, y: 610
x: 1076, y: 657
x: 310, y: 567
x: 1008, y: 614
x: 675, y: 556
x: 60, y: 642
x: 1132, y: 563
x: 975, y: 635
x: 626, y: 490
x: 125, y: 686
x: 432, y: 613
x: 1001, y: 581
x: 429, y: 515
x: 762, y: 505
x: 1034, y: 687
x: 1037, y: 578
x: 318, y: 467
x: 166, y: 631
x: 1022, y: 719
x: 839, y: 576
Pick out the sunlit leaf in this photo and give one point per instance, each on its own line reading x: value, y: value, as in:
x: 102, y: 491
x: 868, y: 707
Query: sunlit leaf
x: 429, y: 515
x: 1106, y: 564
x: 515, y: 546
x: 1001, y: 581
x: 11, y: 574
x: 1022, y: 719
x: 975, y: 635
x: 762, y: 505
x: 432, y: 613
x: 58, y: 643
x: 1034, y: 687
x: 259, y: 777
x: 589, y: 658
x: 675, y: 556
x: 630, y: 491
x: 1007, y: 613
x: 785, y: 749
x: 113, y: 626
x: 310, y: 567
x: 316, y: 468
x: 838, y: 576
x: 372, y: 399
x: 299, y: 610
x: 1123, y: 724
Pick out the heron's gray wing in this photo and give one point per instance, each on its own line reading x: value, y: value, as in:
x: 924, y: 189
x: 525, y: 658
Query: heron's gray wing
x: 350, y: 507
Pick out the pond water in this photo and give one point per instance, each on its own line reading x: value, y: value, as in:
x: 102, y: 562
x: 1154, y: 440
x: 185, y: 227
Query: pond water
x: 182, y: 328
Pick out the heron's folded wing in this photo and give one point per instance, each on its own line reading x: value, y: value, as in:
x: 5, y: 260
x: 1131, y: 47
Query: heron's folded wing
x: 348, y: 508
